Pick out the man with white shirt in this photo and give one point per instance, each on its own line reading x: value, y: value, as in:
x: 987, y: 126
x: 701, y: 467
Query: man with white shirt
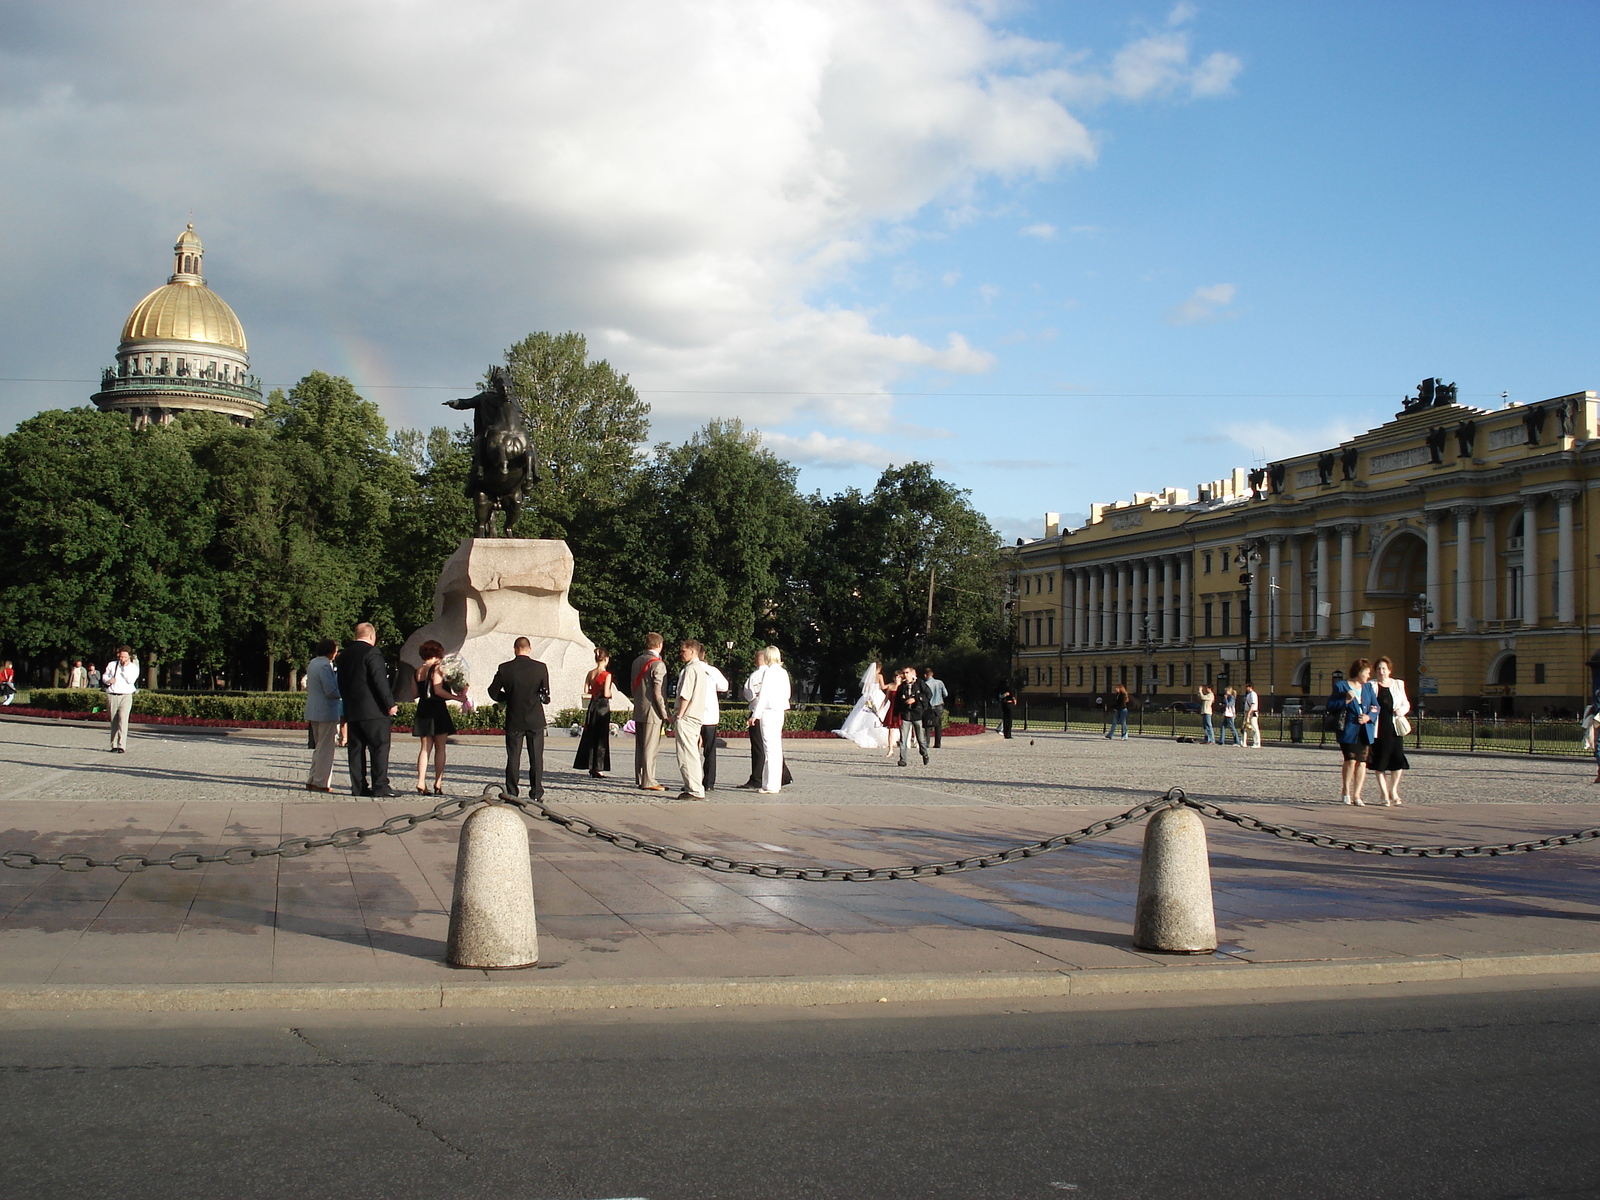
x: 697, y: 707
x: 708, y: 731
x: 119, y: 678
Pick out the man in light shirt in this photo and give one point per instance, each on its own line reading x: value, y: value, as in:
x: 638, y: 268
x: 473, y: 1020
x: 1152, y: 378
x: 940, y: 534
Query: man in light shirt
x: 697, y: 707
x: 119, y: 678
x: 937, y: 695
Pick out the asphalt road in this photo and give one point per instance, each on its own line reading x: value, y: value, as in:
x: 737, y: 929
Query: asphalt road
x: 1459, y: 1096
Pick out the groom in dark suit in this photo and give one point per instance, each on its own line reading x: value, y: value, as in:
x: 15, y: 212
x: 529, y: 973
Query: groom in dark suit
x: 368, y: 709
x: 523, y: 686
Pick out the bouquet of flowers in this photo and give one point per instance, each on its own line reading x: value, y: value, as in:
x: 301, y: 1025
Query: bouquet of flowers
x: 455, y: 678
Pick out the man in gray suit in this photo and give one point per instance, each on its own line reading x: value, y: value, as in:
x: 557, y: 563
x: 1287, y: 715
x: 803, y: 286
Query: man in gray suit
x: 648, y: 675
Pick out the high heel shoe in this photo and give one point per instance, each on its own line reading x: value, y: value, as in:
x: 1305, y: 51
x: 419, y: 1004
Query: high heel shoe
x: 422, y: 791
x: 438, y: 789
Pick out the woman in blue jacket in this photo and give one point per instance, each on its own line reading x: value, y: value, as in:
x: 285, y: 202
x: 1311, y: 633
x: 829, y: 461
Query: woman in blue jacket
x: 1358, y: 700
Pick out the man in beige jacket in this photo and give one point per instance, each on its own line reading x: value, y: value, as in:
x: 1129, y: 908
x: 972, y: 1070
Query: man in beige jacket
x: 697, y: 705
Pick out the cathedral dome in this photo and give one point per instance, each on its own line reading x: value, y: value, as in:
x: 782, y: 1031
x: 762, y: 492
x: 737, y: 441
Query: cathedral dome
x: 184, y: 309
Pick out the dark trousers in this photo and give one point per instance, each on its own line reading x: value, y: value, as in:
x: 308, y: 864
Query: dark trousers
x: 1006, y: 711
x: 758, y: 760
x: 369, y: 740
x: 534, y: 739
x: 934, y: 724
x: 708, y: 755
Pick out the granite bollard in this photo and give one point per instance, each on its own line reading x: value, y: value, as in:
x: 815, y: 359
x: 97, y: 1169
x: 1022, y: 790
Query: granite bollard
x: 491, y: 917
x: 1175, y: 911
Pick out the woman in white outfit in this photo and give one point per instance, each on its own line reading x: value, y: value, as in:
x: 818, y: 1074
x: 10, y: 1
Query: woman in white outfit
x: 767, y: 706
x: 1387, y: 758
x: 864, y: 725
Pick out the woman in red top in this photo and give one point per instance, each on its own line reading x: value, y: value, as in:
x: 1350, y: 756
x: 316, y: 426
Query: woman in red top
x: 891, y: 711
x: 8, y: 683
x: 594, y: 748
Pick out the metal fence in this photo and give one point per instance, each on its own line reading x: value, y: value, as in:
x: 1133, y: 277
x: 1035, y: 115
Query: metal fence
x: 1469, y: 732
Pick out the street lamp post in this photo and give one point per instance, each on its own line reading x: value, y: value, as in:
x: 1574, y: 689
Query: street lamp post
x: 1247, y: 558
x: 1422, y: 626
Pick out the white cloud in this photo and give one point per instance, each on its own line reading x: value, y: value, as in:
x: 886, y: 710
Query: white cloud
x: 1270, y: 442
x: 818, y: 449
x: 433, y: 181
x: 1041, y: 230
x: 1208, y: 304
x: 1182, y: 13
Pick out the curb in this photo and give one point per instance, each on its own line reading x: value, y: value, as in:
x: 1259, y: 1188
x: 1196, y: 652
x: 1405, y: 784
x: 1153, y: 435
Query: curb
x: 706, y: 993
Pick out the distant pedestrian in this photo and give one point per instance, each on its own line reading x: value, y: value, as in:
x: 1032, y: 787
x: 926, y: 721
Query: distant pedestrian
x: 1119, y: 712
x: 433, y: 723
x: 77, y: 677
x: 758, y: 758
x: 1355, y: 701
x: 649, y: 711
x: 697, y: 703
x: 767, y: 707
x: 594, y: 747
x: 369, y: 709
x: 522, y: 684
x: 1251, y: 723
x: 1387, y: 758
x: 937, y: 695
x: 1008, y: 707
x: 911, y: 697
x: 8, y: 682
x: 1230, y: 709
x: 95, y: 681
x: 1207, y: 699
x: 1591, y: 731
x: 120, y: 676
x: 322, y: 714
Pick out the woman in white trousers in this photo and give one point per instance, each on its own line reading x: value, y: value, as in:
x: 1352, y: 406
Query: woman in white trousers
x: 769, y: 702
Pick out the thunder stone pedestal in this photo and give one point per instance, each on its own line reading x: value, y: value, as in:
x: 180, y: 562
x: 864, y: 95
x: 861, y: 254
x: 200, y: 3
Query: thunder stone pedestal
x: 493, y: 591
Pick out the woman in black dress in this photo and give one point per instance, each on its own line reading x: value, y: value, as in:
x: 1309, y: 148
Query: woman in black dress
x: 432, y: 724
x: 1387, y: 758
x: 594, y: 748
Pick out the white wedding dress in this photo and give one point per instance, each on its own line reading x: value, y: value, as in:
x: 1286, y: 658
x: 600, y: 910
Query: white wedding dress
x: 864, y: 725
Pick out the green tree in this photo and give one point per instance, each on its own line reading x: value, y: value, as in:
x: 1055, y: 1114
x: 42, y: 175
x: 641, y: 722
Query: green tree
x: 587, y: 422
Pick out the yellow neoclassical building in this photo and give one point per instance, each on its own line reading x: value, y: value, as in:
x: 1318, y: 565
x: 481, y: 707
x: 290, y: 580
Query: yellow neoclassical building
x: 182, y: 349
x: 1453, y: 539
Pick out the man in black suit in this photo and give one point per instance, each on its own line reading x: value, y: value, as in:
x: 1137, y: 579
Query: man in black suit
x: 523, y: 686
x: 369, y: 709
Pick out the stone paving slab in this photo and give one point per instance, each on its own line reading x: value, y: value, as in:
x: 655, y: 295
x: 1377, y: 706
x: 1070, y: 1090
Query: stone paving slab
x: 375, y: 915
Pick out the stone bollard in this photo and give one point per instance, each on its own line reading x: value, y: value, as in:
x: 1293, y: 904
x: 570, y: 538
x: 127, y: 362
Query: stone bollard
x: 491, y: 918
x: 1175, y: 912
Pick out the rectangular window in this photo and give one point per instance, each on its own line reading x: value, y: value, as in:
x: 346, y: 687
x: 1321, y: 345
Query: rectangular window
x: 1094, y: 679
x: 1538, y: 672
x: 1514, y: 594
x: 1227, y: 618
x: 1138, y: 677
x: 1188, y: 674
x: 1172, y: 674
x: 1080, y: 676
x: 1122, y: 674
x: 1207, y: 561
x: 1208, y: 674
x: 1050, y: 582
x: 1050, y: 630
x: 1049, y: 676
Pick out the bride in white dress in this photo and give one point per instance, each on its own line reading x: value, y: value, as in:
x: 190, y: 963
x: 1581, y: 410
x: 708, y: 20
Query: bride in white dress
x: 864, y: 725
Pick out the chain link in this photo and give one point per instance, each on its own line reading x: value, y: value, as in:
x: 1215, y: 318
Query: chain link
x: 239, y: 856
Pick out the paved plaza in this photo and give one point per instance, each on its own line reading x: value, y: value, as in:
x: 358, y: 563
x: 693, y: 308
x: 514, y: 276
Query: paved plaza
x: 377, y: 913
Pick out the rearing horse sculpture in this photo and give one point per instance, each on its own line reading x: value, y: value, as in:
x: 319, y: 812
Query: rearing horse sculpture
x: 503, y: 471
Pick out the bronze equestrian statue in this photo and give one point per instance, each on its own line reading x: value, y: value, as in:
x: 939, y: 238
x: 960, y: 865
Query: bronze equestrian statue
x: 503, y: 471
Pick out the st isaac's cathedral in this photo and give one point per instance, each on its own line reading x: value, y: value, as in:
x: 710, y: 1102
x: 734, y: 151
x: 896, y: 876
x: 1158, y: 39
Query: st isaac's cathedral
x: 182, y: 350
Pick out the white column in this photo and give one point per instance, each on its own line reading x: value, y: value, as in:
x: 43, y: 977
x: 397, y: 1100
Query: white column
x: 1530, y: 560
x: 1347, y: 581
x: 1491, y: 569
x: 1135, y: 603
x: 1324, y: 588
x: 1435, y: 596
x: 1092, y: 616
x: 1120, y: 627
x: 1274, y: 589
x: 1080, y: 618
x: 1169, y: 600
x: 1566, y: 607
x: 1464, y: 621
x: 1108, y: 607
x: 1151, y: 608
x: 1297, y: 571
x: 1185, y: 601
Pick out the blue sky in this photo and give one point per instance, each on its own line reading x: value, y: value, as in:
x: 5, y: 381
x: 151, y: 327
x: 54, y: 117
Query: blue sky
x: 1122, y: 246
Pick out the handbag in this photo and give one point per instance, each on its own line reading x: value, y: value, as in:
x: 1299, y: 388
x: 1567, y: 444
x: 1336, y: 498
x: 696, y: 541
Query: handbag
x: 1402, y: 725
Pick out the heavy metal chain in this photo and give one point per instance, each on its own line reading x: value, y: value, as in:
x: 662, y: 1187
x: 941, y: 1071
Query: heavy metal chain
x: 238, y: 856
x: 449, y: 809
x: 768, y: 870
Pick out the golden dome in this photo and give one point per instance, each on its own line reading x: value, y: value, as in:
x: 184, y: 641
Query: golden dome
x: 184, y: 312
